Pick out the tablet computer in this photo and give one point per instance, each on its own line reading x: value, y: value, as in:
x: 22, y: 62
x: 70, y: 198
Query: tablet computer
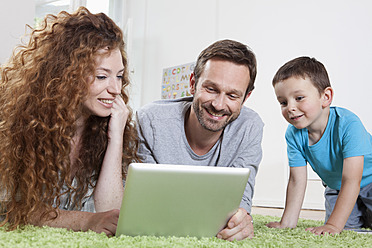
x: 179, y: 200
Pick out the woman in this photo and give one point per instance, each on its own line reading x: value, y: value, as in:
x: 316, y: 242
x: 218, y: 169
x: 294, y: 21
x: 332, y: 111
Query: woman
x: 66, y: 132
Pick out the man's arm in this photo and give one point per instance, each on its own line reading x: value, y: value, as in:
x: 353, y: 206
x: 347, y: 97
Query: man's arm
x: 350, y: 186
x: 145, y: 138
x: 249, y: 155
x: 295, y: 197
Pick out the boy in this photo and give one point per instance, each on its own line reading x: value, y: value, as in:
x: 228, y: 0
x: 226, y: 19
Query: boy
x: 332, y: 140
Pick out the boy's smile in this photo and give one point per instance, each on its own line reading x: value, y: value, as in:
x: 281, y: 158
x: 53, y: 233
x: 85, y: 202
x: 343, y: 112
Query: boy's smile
x: 301, y: 103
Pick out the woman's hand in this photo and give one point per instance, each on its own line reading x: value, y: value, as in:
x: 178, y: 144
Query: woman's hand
x: 119, y: 116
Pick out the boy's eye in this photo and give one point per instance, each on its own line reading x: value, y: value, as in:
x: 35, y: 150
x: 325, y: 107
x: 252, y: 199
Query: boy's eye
x: 283, y: 103
x: 299, y: 98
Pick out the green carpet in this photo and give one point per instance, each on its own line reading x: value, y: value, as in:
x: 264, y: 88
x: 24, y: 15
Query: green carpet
x: 264, y: 237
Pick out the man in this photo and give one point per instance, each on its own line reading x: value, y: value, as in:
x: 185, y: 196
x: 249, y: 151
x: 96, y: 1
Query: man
x: 212, y: 127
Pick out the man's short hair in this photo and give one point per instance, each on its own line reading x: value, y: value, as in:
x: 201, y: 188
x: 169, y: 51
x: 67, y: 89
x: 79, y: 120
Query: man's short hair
x: 232, y: 51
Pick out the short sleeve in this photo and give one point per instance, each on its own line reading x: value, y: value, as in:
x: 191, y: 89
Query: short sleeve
x: 356, y: 140
x: 295, y: 150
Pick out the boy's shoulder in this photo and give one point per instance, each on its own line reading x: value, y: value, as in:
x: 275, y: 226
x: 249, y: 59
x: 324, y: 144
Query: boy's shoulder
x: 343, y: 112
x: 344, y: 115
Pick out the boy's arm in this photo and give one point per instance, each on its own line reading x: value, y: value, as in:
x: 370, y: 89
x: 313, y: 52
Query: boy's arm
x: 295, y: 197
x: 350, y: 187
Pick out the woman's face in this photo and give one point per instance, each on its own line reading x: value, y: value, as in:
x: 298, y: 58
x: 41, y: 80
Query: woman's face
x: 106, y: 85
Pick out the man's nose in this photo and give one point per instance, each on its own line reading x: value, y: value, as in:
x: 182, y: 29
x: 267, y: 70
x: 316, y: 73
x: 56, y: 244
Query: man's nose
x: 219, y: 102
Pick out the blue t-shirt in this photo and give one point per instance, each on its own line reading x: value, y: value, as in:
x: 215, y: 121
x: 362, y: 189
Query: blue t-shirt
x: 345, y: 136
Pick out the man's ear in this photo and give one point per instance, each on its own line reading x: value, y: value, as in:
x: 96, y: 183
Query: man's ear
x: 192, y: 83
x: 327, y: 97
x: 246, y: 97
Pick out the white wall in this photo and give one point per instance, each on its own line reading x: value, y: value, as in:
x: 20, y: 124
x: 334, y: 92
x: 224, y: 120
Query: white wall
x: 165, y: 33
x: 338, y: 33
x: 14, y: 15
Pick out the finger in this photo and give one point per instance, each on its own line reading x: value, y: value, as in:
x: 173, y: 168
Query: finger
x: 273, y: 224
x: 119, y: 98
x: 244, y: 233
x: 119, y: 103
x: 111, y: 229
x: 237, y: 218
x: 109, y: 233
x: 318, y: 231
x: 240, y: 231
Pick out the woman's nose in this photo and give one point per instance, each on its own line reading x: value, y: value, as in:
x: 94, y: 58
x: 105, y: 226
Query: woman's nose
x: 114, y: 87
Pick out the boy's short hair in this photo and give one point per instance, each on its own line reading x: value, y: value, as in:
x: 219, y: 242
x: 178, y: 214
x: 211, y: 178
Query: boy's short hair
x: 232, y: 51
x: 304, y: 67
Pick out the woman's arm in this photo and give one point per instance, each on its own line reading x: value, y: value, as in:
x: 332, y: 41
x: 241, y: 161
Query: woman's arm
x: 80, y: 221
x: 109, y: 190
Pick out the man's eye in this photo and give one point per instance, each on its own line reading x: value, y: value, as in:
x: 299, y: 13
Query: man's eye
x: 233, y: 96
x: 210, y: 89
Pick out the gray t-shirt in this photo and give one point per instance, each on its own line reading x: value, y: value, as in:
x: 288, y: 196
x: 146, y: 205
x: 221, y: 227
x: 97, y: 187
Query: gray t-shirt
x: 162, y: 140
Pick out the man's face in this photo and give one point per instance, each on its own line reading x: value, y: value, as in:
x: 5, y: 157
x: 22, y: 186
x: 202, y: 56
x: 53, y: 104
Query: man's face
x: 220, y: 93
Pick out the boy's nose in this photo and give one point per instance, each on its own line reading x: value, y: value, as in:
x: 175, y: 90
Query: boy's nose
x: 291, y: 107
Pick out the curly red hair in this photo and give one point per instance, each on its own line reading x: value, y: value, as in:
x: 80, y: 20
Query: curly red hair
x: 43, y: 86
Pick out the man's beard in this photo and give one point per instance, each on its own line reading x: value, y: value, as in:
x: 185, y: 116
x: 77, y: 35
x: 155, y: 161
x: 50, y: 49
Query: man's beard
x: 209, y: 123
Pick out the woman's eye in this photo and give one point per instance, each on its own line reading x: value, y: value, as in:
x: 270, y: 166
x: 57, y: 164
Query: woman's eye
x: 101, y: 77
x: 120, y: 76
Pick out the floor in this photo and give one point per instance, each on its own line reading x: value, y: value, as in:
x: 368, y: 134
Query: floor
x: 305, y: 214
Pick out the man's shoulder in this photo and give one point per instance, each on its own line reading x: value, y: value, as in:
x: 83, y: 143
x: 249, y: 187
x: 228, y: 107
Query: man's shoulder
x: 247, y: 121
x: 248, y: 115
x: 164, y: 109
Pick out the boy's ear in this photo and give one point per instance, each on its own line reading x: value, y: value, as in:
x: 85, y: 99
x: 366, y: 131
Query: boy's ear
x: 327, y: 97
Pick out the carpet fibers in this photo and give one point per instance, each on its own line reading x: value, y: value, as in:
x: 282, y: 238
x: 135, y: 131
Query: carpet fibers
x: 30, y: 236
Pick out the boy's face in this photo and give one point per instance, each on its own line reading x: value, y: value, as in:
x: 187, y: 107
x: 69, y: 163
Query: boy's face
x: 301, y: 104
